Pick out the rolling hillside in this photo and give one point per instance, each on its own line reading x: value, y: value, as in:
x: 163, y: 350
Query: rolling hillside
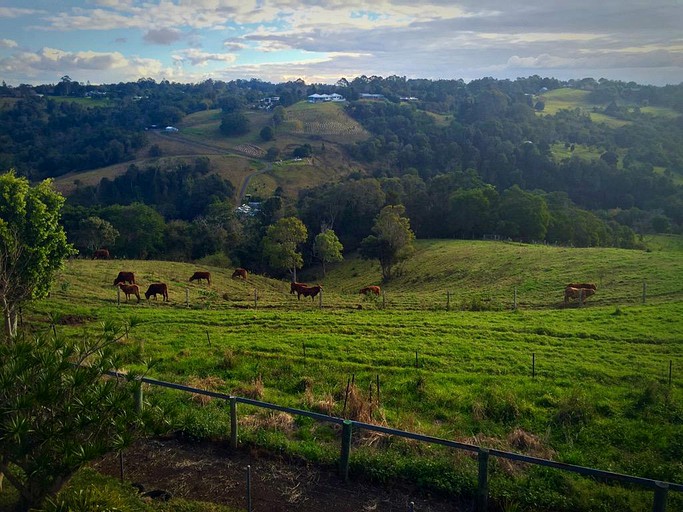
x: 324, y: 126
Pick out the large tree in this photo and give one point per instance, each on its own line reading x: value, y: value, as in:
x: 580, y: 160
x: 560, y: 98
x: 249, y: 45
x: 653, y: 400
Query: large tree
x: 33, y: 244
x: 93, y: 233
x: 281, y: 243
x: 327, y: 248
x: 392, y: 239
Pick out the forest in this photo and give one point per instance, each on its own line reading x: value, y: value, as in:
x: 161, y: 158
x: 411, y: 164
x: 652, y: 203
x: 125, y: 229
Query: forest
x: 464, y: 160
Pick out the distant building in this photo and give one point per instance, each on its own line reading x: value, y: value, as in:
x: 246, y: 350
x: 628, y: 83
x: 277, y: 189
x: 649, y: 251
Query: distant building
x: 368, y: 96
x: 170, y: 129
x: 409, y: 98
x: 322, y: 98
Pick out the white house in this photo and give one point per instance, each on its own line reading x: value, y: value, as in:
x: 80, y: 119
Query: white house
x: 320, y: 98
x: 170, y: 129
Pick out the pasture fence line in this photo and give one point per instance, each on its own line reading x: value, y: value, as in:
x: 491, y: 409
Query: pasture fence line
x: 659, y: 488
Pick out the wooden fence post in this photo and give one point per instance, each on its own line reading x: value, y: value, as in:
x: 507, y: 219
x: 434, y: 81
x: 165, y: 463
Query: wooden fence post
x: 138, y: 398
x: 118, y: 296
x: 483, y: 484
x: 249, y: 509
x: 384, y: 299
x: 345, y: 450
x: 233, y: 422
x: 255, y: 298
x: 320, y: 299
x: 644, y: 291
x: 580, y: 297
x: 187, y: 297
x: 515, y: 299
x: 661, y: 490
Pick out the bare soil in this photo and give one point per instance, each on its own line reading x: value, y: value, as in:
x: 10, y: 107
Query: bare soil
x: 212, y: 472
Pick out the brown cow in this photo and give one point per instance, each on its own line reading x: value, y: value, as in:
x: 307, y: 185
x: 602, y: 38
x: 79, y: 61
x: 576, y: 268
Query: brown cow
x: 310, y: 291
x: 198, y: 276
x: 370, y: 289
x: 157, y: 288
x: 101, y: 254
x: 130, y: 289
x: 297, y: 288
x: 582, y: 285
x: 240, y: 272
x: 125, y: 277
x: 576, y: 293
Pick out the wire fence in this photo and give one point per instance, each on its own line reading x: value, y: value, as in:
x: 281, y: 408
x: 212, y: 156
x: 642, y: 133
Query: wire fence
x: 659, y: 488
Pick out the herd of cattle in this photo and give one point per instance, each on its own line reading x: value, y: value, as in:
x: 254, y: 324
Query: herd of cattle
x: 126, y: 282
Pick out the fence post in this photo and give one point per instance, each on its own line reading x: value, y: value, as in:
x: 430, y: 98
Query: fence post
x: 249, y: 489
x: 118, y: 296
x: 138, y: 397
x: 255, y: 298
x: 515, y: 299
x: 661, y: 491
x: 233, y: 422
x: 320, y: 299
x: 187, y: 297
x: 483, y: 484
x: 644, y: 290
x: 345, y: 450
x: 580, y: 297
x: 384, y: 299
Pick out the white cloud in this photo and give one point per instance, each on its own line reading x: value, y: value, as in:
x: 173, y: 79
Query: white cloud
x: 199, y: 58
x: 8, y: 43
x: 14, y: 12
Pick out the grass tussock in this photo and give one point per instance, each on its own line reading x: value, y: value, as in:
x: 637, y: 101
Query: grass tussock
x: 255, y: 390
x: 209, y: 383
x: 270, y: 420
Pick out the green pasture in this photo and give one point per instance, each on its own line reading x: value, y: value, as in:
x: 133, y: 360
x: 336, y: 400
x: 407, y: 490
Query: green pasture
x: 566, y: 98
x: 598, y: 393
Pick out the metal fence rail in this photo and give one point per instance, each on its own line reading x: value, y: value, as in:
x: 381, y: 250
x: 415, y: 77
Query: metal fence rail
x: 660, y: 488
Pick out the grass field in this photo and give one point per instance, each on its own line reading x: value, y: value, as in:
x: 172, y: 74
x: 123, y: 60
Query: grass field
x: 600, y: 396
x: 566, y: 98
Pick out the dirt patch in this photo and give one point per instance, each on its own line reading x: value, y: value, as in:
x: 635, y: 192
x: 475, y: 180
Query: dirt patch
x: 211, y: 471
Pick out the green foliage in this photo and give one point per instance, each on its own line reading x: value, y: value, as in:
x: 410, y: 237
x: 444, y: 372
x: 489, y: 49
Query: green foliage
x: 57, y: 412
x: 327, y: 248
x: 281, y: 242
x: 392, y: 241
x: 234, y: 124
x: 267, y: 133
x: 93, y: 233
x: 33, y: 244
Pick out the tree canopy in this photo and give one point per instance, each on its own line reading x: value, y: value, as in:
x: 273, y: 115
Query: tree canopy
x: 391, y: 241
x: 280, y: 245
x: 33, y: 243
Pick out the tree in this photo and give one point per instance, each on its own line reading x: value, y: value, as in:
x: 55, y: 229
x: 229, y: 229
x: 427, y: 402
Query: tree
x: 141, y: 229
x: 327, y: 248
x: 392, y: 241
x: 57, y: 413
x: 280, y: 244
x: 234, y: 124
x: 33, y: 244
x: 267, y: 133
x: 523, y: 214
x: 93, y: 233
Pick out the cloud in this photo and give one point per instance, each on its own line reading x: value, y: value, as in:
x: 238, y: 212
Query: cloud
x: 163, y: 36
x: 199, y: 58
x: 8, y: 43
x: 13, y: 12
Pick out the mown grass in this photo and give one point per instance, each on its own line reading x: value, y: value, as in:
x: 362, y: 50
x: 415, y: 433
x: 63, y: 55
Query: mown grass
x: 599, y: 396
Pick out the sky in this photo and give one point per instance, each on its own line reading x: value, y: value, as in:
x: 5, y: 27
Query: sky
x: 321, y: 41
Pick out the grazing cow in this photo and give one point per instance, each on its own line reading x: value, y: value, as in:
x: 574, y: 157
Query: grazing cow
x: 576, y: 293
x: 130, y: 289
x: 198, y: 276
x: 310, y: 291
x: 125, y: 277
x: 297, y: 288
x: 101, y: 254
x: 240, y: 272
x: 157, y: 288
x: 582, y: 285
x: 370, y: 289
